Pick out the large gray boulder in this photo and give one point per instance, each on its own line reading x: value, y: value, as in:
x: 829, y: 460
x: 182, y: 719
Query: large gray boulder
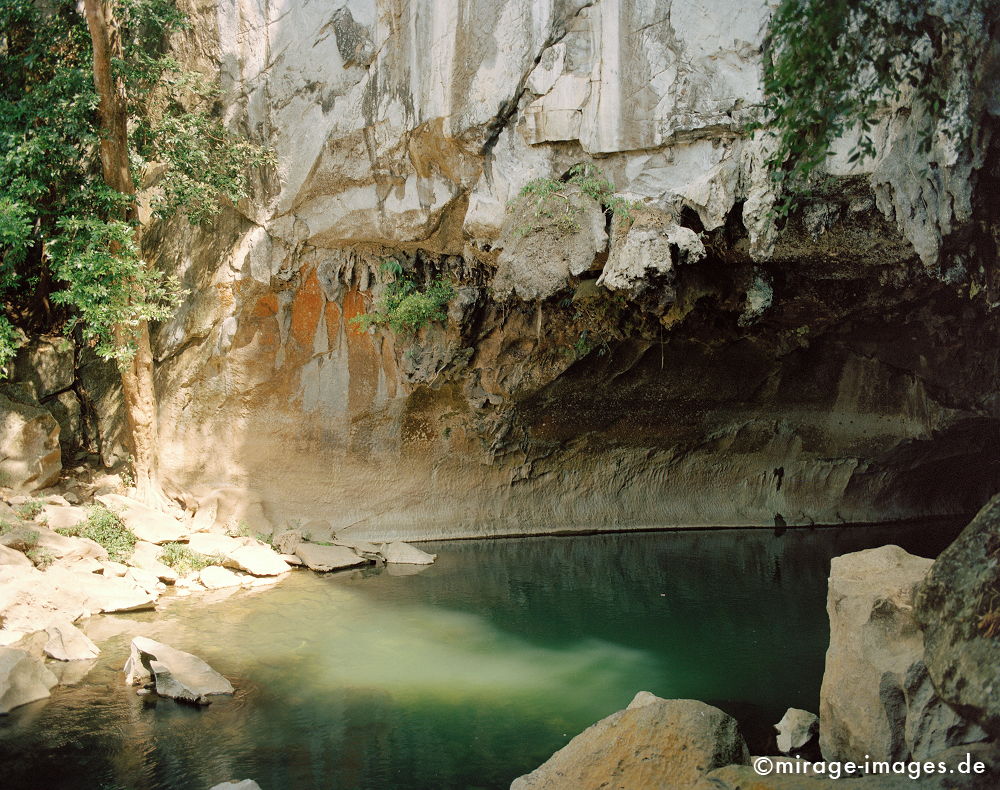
x: 173, y: 673
x: 958, y: 606
x: 874, y: 698
x: 46, y: 365
x: 874, y: 640
x: 327, y: 558
x: 30, y: 457
x: 23, y: 679
x: 653, y: 743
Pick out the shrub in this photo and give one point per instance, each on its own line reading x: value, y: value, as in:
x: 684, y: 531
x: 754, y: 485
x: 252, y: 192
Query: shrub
x: 183, y: 560
x: 403, y: 307
x: 30, y: 509
x: 106, y: 527
x: 42, y: 557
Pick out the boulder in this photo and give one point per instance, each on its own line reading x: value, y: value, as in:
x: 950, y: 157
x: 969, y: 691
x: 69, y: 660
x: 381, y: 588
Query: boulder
x: 874, y: 640
x: 245, y: 784
x: 327, y: 558
x: 931, y: 724
x: 288, y: 541
x: 654, y: 743
x: 291, y: 559
x: 23, y: 679
x: 10, y: 556
x: 258, y: 560
x: 29, y: 536
x: 30, y: 457
x: 796, y: 728
x: 214, y: 545
x: 146, y: 556
x: 144, y: 580
x: 215, y: 577
x: 31, y: 600
x: 111, y: 568
x: 63, y: 516
x: 152, y: 526
x: 958, y: 606
x: 173, y: 672
x: 405, y: 554
x: 46, y: 365
x: 228, y: 506
x: 67, y: 411
x: 68, y: 643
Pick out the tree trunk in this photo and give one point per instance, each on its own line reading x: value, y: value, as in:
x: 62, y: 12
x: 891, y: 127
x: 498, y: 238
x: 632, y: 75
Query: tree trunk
x: 137, y: 376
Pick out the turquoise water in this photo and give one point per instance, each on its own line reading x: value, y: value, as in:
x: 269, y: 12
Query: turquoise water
x: 465, y: 674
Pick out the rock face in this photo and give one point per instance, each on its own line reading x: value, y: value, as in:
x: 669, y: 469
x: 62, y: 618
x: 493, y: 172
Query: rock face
x: 724, y: 371
x: 653, y: 743
x: 174, y: 673
x: 958, y: 606
x: 875, y: 698
x: 796, y: 728
x: 23, y: 679
x: 30, y: 457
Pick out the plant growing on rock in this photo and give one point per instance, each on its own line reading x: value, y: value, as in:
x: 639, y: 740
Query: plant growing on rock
x: 92, y: 110
x: 107, y: 528
x: 183, y: 560
x: 403, y: 306
x: 548, y: 199
x: 28, y: 510
x: 834, y: 65
x: 42, y: 557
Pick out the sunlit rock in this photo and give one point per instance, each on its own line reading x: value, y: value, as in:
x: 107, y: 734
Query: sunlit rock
x: 328, y: 558
x: 652, y: 743
x: 68, y: 643
x: 405, y: 554
x: 173, y: 672
x: 796, y: 728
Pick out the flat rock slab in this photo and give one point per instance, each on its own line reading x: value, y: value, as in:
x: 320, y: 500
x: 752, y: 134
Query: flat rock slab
x: 10, y: 556
x: 147, y: 557
x: 68, y: 643
x: 257, y: 560
x: 173, y: 672
x: 149, y: 525
x: 328, y: 558
x: 212, y: 544
x: 23, y: 679
x: 215, y: 577
x: 405, y: 554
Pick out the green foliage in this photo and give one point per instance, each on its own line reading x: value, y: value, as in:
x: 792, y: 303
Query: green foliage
x: 41, y: 556
x: 548, y: 199
x: 183, y: 560
x: 403, y: 306
x: 832, y: 65
x: 239, y: 530
x: 28, y: 510
x: 58, y: 219
x: 107, y: 528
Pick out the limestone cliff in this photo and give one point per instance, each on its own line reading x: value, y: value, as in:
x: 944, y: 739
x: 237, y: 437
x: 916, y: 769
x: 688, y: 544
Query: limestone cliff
x: 697, y: 365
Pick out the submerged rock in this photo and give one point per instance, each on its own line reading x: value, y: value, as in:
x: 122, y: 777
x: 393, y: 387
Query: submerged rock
x: 405, y: 554
x: 173, y: 672
x: 796, y: 728
x: 652, y: 743
x: 68, y: 643
x: 23, y: 679
x: 328, y: 558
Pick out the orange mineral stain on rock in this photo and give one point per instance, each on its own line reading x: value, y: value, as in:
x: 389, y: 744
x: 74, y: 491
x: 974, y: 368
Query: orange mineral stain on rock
x: 306, y: 310
x: 333, y: 316
x: 362, y: 359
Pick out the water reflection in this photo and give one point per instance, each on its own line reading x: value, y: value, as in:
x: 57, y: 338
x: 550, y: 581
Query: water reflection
x: 465, y: 675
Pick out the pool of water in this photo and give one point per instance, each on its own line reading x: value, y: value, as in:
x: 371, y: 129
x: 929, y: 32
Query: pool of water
x: 464, y: 674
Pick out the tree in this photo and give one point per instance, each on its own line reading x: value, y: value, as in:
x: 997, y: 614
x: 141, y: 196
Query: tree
x: 832, y: 66
x: 88, y: 109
